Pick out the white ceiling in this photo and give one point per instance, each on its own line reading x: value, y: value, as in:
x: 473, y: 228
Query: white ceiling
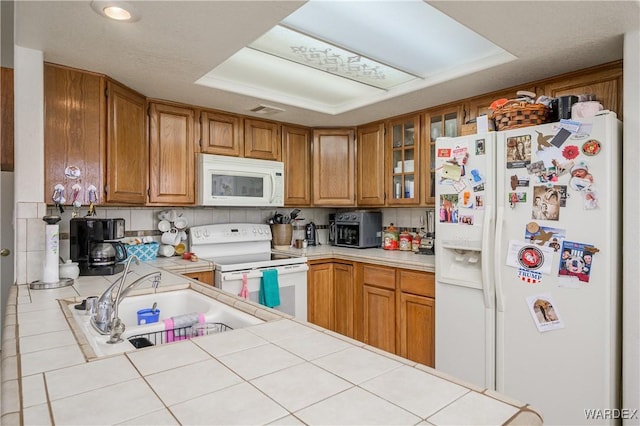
x: 177, y: 42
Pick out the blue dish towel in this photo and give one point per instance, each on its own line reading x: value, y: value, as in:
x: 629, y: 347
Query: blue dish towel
x: 269, y: 290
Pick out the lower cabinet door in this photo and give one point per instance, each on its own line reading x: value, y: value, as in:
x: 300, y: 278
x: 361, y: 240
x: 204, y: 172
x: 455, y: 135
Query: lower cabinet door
x: 417, y: 325
x: 379, y: 318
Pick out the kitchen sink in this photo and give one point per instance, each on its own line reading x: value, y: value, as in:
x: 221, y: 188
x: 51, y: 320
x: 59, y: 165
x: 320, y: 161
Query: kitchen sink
x: 217, y: 317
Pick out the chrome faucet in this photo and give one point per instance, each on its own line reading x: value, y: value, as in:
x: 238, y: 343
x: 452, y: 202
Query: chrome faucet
x: 105, y: 320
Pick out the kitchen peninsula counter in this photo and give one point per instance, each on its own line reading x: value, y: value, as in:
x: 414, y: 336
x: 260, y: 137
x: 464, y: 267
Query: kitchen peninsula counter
x: 279, y: 372
x: 379, y: 256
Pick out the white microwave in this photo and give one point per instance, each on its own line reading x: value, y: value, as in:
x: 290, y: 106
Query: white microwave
x: 234, y: 181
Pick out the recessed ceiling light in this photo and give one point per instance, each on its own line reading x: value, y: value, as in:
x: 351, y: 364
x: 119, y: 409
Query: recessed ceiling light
x: 116, y: 10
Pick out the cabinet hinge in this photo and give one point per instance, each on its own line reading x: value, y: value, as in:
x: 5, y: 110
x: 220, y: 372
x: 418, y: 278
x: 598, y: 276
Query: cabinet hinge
x: 106, y: 189
x: 106, y: 92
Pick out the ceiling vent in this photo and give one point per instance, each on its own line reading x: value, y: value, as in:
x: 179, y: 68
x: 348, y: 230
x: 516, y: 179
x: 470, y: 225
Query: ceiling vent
x: 266, y: 110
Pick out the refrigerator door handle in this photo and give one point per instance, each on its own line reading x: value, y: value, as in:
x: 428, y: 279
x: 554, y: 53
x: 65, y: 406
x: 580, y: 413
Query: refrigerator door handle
x: 497, y: 259
x: 486, y: 258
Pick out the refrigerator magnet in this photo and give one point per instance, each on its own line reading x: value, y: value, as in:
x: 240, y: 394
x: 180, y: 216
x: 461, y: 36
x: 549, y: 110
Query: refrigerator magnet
x: 480, y: 150
x: 576, y: 260
x: 591, y: 147
x: 560, y: 137
x: 530, y: 257
x: 448, y: 208
x: 544, y: 312
x: 570, y: 152
x: 444, y: 152
x: 516, y: 197
x: 535, y: 168
x: 451, y: 171
x: 544, y: 235
x: 529, y: 277
x: 479, y: 202
x: 518, y: 151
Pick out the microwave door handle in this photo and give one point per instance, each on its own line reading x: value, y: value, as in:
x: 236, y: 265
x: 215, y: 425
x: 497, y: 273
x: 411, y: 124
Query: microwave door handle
x: 273, y: 187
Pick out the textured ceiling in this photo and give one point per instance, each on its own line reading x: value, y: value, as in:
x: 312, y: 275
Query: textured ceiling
x: 177, y: 42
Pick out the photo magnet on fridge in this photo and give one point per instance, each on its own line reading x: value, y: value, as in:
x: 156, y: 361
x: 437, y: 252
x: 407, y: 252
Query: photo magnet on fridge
x: 576, y: 260
x: 544, y: 235
x: 518, y: 151
x: 546, y: 203
x: 544, y: 312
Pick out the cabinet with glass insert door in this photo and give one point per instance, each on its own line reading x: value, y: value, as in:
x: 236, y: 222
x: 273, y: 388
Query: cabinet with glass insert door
x: 437, y: 123
x: 403, y: 165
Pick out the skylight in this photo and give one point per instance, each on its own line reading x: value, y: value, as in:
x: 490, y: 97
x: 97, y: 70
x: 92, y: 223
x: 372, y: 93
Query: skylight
x: 335, y: 56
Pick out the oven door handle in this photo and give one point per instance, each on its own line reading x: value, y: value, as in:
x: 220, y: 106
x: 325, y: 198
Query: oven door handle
x: 257, y: 273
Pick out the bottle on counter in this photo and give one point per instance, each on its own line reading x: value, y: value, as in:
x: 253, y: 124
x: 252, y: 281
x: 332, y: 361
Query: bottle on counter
x: 415, y: 242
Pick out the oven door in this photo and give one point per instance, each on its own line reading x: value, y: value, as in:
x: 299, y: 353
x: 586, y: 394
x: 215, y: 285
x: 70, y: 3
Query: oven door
x: 292, y: 282
x: 348, y: 235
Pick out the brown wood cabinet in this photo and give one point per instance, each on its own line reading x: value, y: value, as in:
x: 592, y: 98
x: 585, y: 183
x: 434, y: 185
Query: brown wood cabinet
x: 320, y: 295
x: 379, y: 307
x: 371, y: 165
x: 262, y: 139
x: 437, y: 122
x: 331, y: 296
x: 172, y: 145
x: 127, y: 146
x: 334, y: 165
x: 221, y: 133
x: 74, y: 132
x: 296, y: 155
x: 403, y: 163
x: 416, y: 305
x: 205, y: 277
x: 6, y: 119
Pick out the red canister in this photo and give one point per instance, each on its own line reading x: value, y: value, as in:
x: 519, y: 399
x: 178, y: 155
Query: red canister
x: 405, y: 241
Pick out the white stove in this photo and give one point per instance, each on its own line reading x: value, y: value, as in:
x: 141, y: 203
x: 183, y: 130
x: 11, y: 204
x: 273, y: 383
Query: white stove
x: 240, y: 251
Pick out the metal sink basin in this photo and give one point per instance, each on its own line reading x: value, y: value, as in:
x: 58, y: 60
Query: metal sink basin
x: 217, y: 315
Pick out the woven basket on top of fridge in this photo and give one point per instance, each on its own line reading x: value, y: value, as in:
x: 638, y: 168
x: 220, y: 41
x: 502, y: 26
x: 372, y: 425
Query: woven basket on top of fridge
x: 515, y: 114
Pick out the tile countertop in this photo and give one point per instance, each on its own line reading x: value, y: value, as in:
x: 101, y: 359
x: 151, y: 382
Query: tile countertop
x: 279, y: 372
x: 379, y: 256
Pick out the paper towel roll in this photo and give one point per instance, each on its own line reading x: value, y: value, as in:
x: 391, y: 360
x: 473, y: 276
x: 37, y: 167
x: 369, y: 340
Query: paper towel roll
x: 51, y: 256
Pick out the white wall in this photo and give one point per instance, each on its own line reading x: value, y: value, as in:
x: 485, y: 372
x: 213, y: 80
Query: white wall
x: 631, y: 228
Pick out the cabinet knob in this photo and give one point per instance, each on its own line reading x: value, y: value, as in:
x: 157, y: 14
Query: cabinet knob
x: 5, y: 252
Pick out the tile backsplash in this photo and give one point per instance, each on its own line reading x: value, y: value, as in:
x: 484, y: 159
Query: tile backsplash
x: 29, y: 226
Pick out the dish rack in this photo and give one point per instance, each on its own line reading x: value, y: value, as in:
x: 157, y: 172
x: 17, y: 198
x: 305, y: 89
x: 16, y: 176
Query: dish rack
x: 155, y: 338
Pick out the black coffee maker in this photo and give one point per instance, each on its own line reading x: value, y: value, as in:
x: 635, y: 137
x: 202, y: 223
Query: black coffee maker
x: 94, y: 245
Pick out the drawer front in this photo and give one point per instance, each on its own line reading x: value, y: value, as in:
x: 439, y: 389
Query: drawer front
x: 420, y: 283
x: 379, y: 276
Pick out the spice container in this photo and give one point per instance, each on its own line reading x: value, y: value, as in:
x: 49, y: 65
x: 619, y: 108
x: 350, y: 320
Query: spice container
x: 405, y: 240
x: 390, y: 238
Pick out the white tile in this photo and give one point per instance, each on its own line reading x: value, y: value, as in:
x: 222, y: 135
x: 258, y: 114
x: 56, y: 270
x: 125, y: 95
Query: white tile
x: 389, y: 216
x: 37, y: 415
x: 356, y: 407
x: 26, y: 210
x: 157, y: 418
x: 225, y: 343
x: 222, y: 216
x: 33, y: 390
x: 289, y: 420
x: 202, y: 216
x: 474, y: 408
x: 89, y: 376
x: 166, y: 357
x: 43, y: 296
x: 357, y: 364
x: 416, y: 391
x: 51, y: 359
x: 48, y: 340
x: 241, y: 404
x: 260, y: 360
x: 300, y: 386
x: 42, y: 209
x: 35, y: 234
x: 278, y: 330
x: 191, y: 381
x: 142, y: 220
x: 404, y: 218
x: 313, y: 345
x: 35, y: 308
x: 107, y: 405
x: 21, y: 268
x: 21, y: 235
x: 33, y: 327
x: 35, y: 265
x: 254, y: 216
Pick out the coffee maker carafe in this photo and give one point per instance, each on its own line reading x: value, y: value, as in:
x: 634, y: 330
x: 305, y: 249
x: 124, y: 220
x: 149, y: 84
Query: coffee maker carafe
x: 94, y: 245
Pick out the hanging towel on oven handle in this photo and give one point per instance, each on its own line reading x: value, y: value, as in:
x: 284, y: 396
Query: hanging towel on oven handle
x: 269, y: 288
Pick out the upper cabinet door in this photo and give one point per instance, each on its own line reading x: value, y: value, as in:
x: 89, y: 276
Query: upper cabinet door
x: 221, y: 133
x: 403, y: 161
x: 74, y: 133
x: 334, y: 167
x: 172, y: 144
x: 296, y: 155
x: 261, y: 139
x: 370, y: 162
x: 127, y: 146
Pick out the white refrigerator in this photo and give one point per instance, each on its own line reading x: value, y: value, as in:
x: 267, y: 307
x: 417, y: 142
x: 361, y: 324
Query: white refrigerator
x: 528, y: 265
